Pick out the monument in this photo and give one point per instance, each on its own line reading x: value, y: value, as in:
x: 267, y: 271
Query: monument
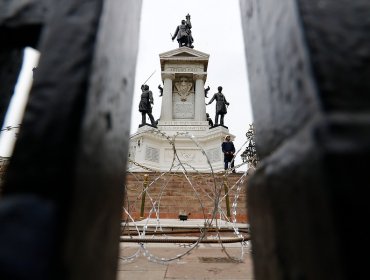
x: 184, y: 137
x: 183, y: 114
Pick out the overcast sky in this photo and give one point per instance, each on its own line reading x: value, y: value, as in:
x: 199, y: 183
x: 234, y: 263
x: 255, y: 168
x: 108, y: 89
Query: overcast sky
x: 217, y: 32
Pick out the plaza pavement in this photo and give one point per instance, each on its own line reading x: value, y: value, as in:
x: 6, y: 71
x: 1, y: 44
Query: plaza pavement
x: 208, y: 261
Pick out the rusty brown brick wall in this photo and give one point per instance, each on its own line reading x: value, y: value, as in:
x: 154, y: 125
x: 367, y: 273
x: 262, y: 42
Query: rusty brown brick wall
x: 174, y: 194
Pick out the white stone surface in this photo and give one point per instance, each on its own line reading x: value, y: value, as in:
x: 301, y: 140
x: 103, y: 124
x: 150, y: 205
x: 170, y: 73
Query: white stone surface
x: 183, y: 139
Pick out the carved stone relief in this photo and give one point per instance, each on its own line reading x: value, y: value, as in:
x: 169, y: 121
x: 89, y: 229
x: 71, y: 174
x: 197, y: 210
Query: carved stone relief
x: 183, y: 88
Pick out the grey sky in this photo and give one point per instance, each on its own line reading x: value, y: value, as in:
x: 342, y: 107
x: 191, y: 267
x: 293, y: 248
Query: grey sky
x: 216, y: 31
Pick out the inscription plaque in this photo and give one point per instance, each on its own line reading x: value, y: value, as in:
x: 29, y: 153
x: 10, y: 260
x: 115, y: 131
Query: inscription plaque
x: 185, y: 68
x: 214, y: 154
x: 152, y: 154
x: 183, y: 109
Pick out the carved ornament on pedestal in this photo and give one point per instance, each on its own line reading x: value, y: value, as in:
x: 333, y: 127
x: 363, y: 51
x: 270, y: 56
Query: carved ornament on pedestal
x: 183, y: 88
x: 199, y: 77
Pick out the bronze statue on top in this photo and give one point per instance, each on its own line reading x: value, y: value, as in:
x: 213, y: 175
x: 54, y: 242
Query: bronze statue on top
x: 221, y: 103
x: 183, y: 33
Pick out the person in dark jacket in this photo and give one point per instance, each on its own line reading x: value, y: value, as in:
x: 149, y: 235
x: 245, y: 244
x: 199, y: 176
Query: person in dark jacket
x: 145, y: 105
x: 228, y: 149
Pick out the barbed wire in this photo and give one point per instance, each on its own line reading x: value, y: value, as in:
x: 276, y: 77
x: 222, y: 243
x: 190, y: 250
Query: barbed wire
x: 197, y: 181
x: 9, y: 128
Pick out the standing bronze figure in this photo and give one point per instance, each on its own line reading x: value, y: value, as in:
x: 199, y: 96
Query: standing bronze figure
x: 145, y: 105
x: 221, y: 103
x: 183, y: 33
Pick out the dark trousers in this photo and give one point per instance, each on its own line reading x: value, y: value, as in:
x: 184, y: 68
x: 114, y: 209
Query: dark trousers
x: 143, y: 118
x: 226, y: 162
x: 221, y: 119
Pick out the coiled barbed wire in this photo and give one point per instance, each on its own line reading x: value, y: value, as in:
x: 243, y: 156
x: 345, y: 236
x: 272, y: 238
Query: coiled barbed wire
x: 181, y: 169
x: 9, y: 128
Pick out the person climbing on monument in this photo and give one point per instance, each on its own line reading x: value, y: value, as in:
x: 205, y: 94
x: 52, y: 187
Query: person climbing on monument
x: 221, y: 103
x: 145, y: 105
x: 183, y: 33
x: 228, y: 149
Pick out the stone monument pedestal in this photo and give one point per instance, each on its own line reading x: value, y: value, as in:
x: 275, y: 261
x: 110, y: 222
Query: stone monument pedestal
x: 197, y: 147
x: 183, y: 139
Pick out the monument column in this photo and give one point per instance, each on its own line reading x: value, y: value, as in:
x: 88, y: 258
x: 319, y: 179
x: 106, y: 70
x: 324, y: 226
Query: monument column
x: 166, y: 109
x: 200, y: 105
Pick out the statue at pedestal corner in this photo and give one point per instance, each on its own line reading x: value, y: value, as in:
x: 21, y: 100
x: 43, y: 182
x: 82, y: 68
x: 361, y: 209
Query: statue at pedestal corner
x: 145, y: 105
x: 221, y: 109
x: 210, y: 122
x: 183, y: 33
x: 160, y: 90
x: 206, y: 91
x: 183, y: 88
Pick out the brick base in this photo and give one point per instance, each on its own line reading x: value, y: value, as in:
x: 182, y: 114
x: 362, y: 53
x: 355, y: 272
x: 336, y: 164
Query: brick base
x: 194, y: 195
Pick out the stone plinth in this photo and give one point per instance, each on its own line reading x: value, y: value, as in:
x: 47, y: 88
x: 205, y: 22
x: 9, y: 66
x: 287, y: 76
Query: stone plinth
x: 154, y: 150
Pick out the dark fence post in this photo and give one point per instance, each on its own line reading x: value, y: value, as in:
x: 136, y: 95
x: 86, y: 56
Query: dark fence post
x: 308, y: 65
x: 20, y: 26
x: 69, y: 162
